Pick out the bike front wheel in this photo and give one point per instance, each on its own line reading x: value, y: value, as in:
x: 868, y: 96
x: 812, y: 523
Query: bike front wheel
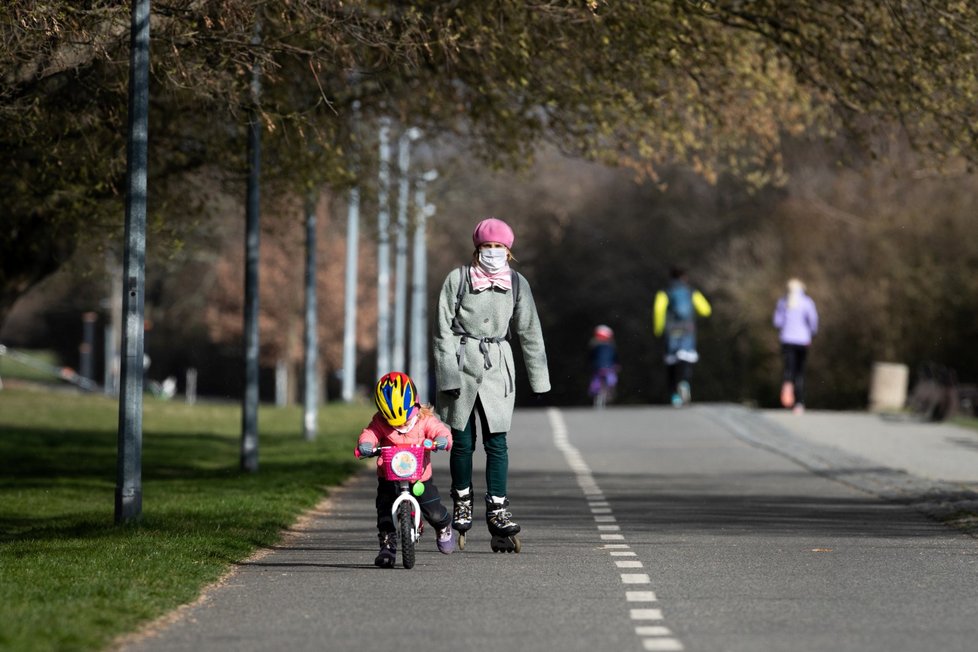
x: 406, y: 525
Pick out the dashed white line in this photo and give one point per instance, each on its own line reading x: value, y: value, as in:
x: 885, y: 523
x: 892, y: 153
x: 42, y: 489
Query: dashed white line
x: 645, y: 614
x: 653, y: 630
x: 628, y: 564
x: 655, y: 638
x: 661, y: 644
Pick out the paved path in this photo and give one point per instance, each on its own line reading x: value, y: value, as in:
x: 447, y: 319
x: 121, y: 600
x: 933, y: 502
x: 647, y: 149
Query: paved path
x: 930, y: 466
x: 934, y: 451
x: 711, y: 528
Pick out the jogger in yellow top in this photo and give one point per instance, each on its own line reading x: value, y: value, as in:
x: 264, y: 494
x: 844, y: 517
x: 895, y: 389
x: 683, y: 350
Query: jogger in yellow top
x: 674, y: 315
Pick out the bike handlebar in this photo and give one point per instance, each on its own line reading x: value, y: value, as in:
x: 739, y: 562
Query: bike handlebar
x: 428, y: 445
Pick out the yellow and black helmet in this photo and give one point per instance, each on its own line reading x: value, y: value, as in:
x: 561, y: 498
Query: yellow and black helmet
x: 396, y: 398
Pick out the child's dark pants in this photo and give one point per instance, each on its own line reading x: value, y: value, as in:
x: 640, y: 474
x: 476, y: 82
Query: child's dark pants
x: 431, y: 508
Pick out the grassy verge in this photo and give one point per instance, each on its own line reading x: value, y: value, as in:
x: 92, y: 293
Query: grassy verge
x: 965, y: 422
x: 72, y: 580
x: 12, y: 368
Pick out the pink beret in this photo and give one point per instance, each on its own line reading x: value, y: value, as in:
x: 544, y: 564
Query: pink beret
x: 493, y: 230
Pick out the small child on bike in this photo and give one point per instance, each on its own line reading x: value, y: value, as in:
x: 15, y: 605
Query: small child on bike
x: 401, y: 419
x: 603, y: 354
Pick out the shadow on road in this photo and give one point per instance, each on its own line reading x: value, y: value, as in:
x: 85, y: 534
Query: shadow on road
x: 727, y: 505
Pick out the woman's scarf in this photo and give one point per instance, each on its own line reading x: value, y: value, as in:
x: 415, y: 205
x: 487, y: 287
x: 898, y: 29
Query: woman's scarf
x: 483, y: 280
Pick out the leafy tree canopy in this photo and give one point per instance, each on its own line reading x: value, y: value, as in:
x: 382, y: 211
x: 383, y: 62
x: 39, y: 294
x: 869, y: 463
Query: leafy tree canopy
x: 711, y: 84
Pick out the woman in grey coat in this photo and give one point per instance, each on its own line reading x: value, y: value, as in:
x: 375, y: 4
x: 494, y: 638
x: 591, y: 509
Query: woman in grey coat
x: 481, y: 306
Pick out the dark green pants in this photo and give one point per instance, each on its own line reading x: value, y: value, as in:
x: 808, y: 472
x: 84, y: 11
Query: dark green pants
x: 497, y: 454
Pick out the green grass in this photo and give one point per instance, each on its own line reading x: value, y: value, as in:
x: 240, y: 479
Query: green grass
x: 965, y: 422
x: 72, y: 580
x: 13, y: 369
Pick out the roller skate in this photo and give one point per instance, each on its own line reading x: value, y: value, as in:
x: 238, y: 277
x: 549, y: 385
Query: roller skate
x: 501, y: 527
x: 462, y: 514
x: 388, y: 550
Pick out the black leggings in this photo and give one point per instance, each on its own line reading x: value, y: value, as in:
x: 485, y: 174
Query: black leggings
x: 794, y: 356
x: 678, y: 372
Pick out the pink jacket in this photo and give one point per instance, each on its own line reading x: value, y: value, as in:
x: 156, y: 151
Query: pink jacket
x: 381, y: 433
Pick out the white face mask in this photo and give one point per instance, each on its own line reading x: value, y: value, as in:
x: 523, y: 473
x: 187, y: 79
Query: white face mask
x: 493, y: 259
x: 407, y: 427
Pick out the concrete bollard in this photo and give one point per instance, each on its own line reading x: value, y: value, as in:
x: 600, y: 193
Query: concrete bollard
x: 888, y: 386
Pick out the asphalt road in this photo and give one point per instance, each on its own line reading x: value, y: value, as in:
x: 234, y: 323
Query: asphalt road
x: 645, y: 528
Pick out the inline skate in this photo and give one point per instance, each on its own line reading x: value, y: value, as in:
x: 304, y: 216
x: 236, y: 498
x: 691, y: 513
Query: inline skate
x: 462, y: 514
x: 501, y: 526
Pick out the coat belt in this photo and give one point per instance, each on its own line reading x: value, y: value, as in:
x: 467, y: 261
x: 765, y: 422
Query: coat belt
x: 484, y: 343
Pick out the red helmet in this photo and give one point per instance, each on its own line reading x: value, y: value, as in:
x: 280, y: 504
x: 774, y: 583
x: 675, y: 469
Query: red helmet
x: 396, y: 398
x: 603, y: 332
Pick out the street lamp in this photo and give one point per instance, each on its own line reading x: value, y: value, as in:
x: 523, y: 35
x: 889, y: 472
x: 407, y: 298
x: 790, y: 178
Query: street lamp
x: 400, y: 251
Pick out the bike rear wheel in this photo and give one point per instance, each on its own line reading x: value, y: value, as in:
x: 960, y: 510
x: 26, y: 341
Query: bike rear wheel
x: 601, y: 398
x: 406, y: 528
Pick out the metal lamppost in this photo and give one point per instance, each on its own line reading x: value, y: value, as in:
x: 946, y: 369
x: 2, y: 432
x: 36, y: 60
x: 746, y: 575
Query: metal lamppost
x: 419, y: 286
x: 350, y: 282
x: 400, y: 249
x: 129, y: 480
x: 310, y: 343
x: 249, y: 412
x: 350, y: 297
x: 383, y: 250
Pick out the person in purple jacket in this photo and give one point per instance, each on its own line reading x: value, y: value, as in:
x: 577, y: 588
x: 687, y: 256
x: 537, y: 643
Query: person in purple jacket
x: 796, y: 318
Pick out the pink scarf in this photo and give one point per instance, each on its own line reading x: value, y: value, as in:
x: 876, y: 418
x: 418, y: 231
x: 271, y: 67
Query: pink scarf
x: 483, y: 280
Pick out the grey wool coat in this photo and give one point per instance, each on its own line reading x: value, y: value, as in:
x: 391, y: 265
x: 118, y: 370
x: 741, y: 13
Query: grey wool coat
x: 485, y: 369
